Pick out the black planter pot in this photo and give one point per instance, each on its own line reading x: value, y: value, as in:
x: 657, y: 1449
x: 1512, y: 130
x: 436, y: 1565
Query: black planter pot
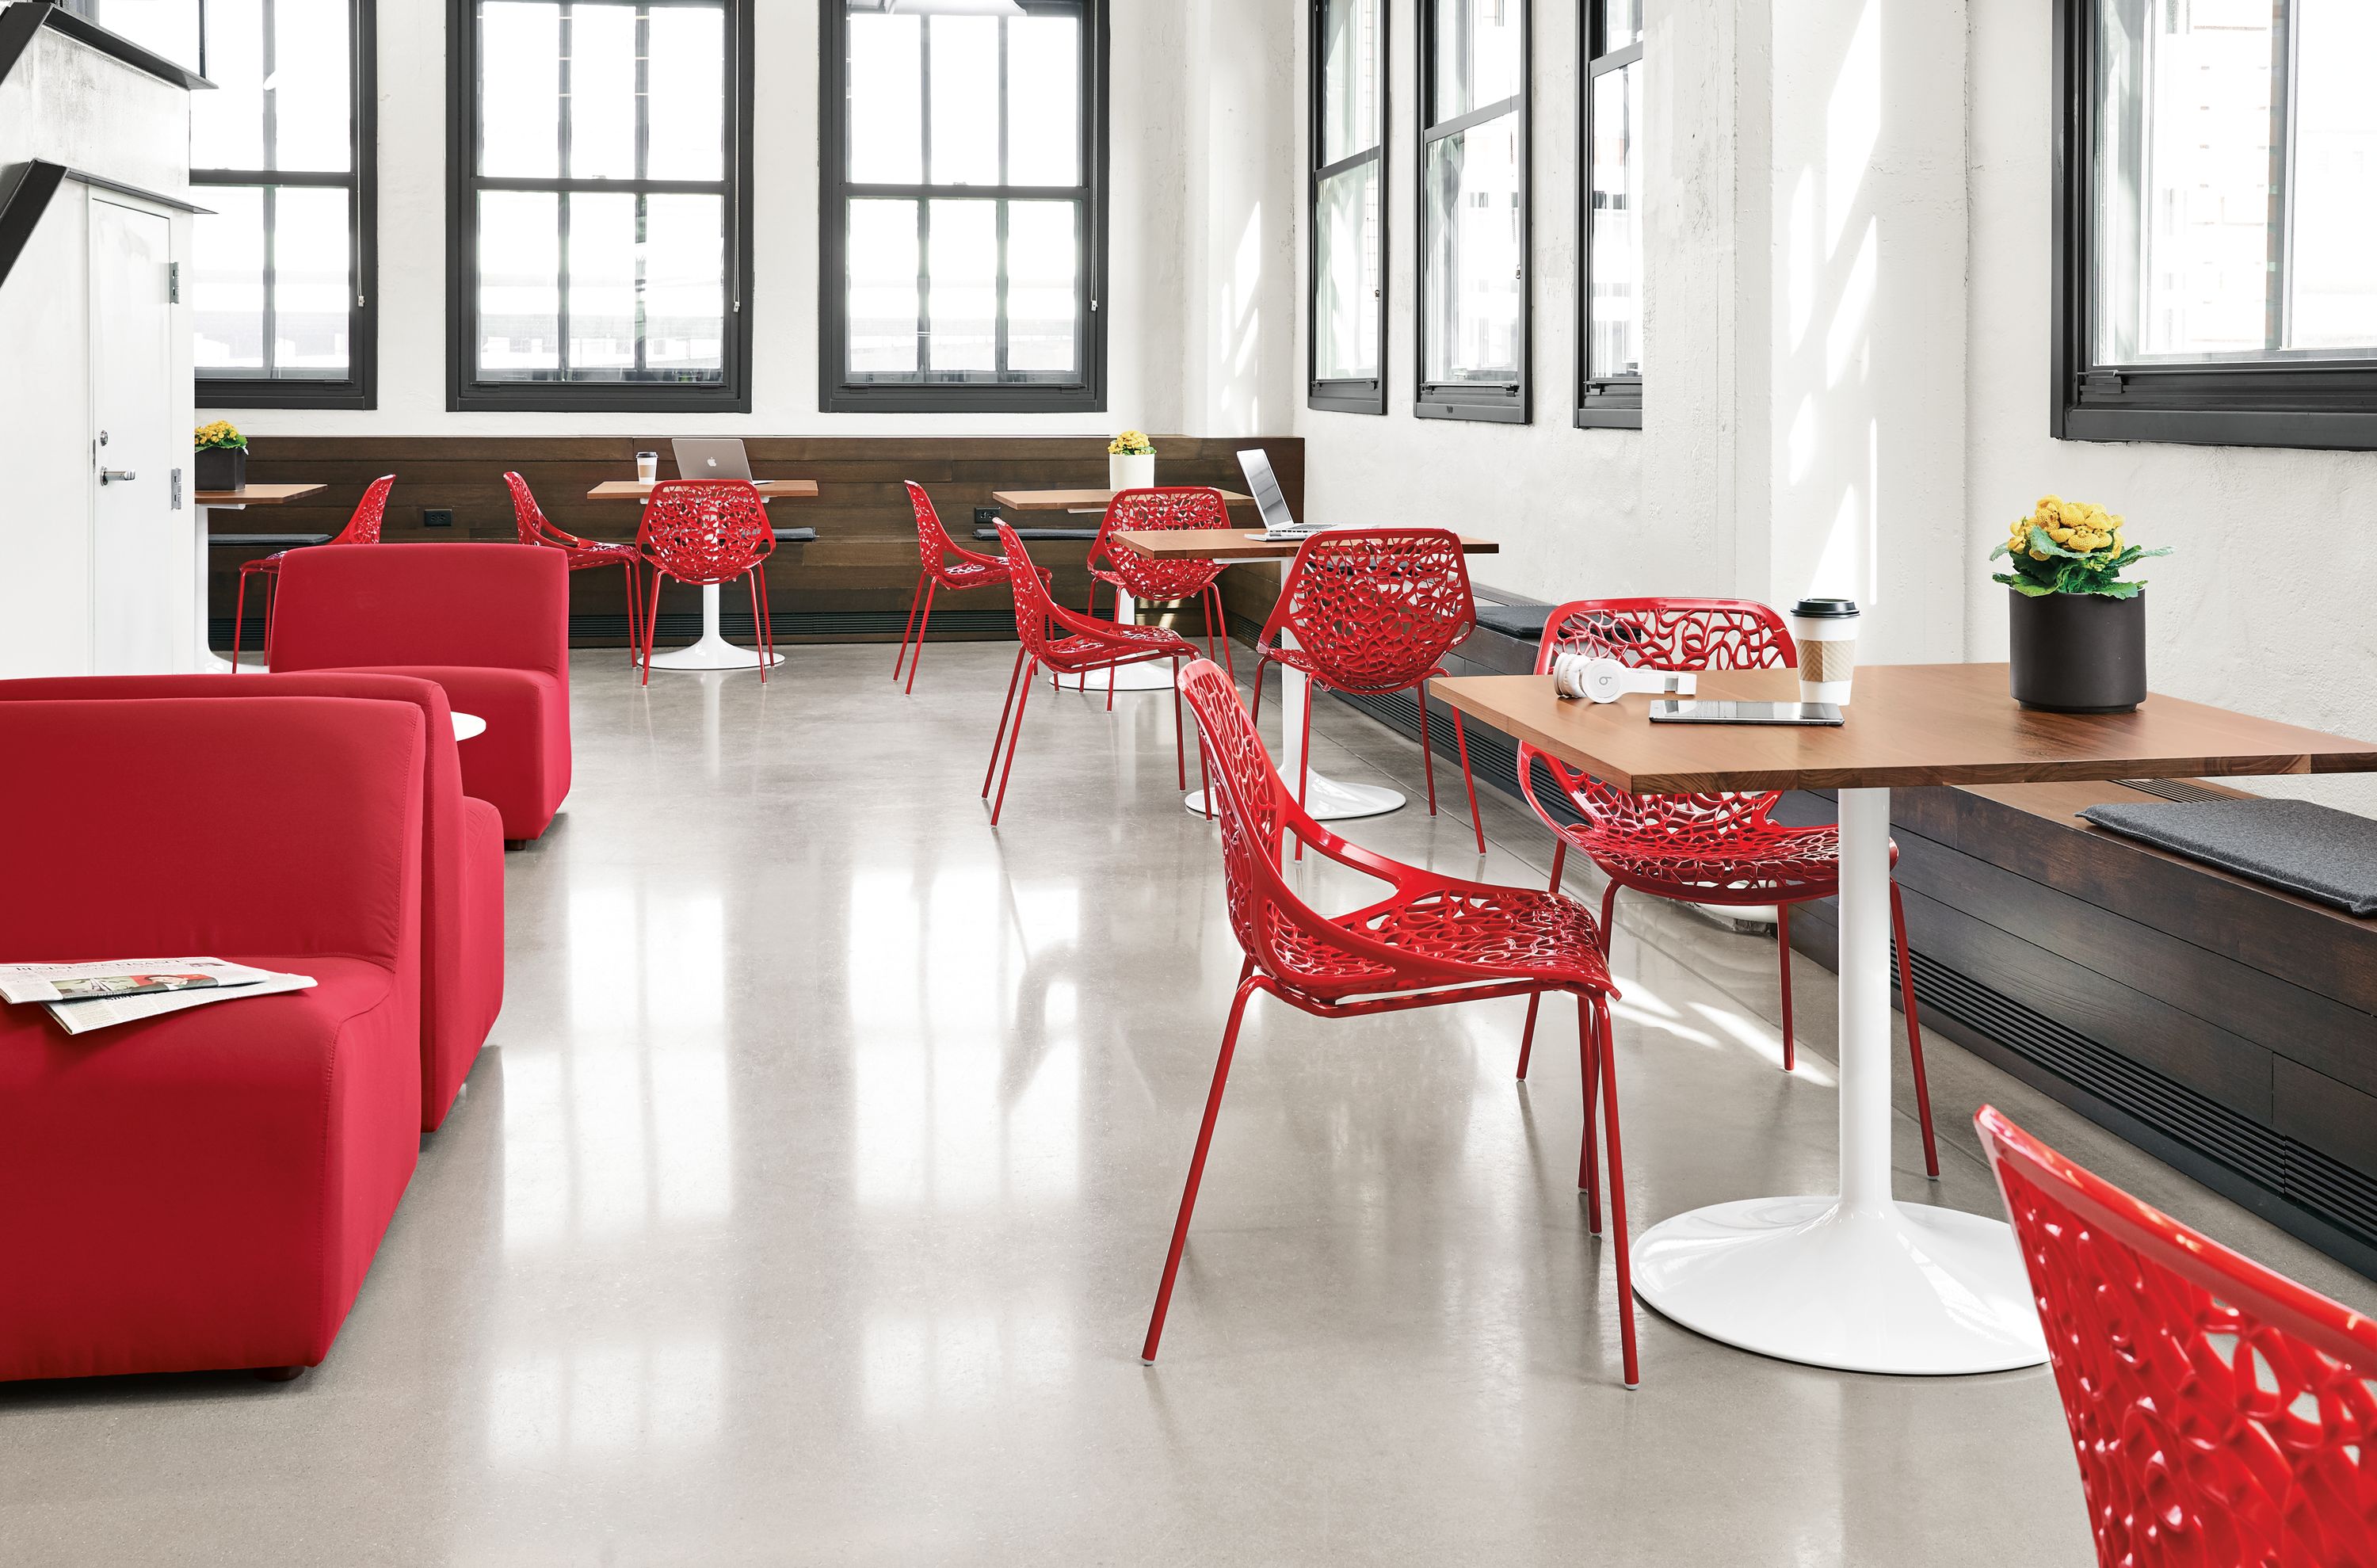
x: 2078, y: 653
x: 222, y: 468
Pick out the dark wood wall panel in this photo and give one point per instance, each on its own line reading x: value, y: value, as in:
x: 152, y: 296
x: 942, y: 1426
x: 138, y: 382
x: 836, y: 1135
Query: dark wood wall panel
x: 853, y: 582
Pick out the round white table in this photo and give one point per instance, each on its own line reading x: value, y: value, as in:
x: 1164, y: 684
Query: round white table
x: 468, y: 726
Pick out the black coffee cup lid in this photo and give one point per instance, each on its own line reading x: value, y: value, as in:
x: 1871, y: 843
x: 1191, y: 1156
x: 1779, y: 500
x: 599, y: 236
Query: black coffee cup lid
x: 1826, y: 609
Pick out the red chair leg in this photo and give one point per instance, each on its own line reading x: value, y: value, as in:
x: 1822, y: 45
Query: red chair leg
x: 1913, y: 1031
x: 651, y: 619
x: 1588, y: 1165
x: 635, y: 638
x: 271, y: 600
x: 1527, y: 1038
x: 999, y: 739
x: 1609, y: 917
x: 1179, y: 732
x: 1783, y: 942
x: 924, y: 626
x: 915, y: 602
x: 1461, y: 742
x: 1304, y: 764
x: 767, y: 614
x: 758, y: 634
x: 1220, y: 627
x: 1196, y: 1170
x: 1014, y: 744
x: 238, y: 616
x: 1426, y: 749
x: 1616, y: 1190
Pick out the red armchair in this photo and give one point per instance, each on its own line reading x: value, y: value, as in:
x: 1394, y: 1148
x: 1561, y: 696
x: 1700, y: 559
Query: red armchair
x: 206, y: 1189
x: 490, y: 623
x: 462, y: 855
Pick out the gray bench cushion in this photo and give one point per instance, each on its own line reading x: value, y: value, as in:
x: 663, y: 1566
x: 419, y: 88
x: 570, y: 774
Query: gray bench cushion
x: 796, y: 536
x: 1525, y: 622
x: 2312, y: 850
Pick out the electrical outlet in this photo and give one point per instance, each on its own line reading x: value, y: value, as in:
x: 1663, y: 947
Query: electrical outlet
x: 436, y: 517
x: 985, y: 517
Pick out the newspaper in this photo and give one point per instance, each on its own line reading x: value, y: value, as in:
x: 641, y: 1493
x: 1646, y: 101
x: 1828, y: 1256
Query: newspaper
x: 83, y: 996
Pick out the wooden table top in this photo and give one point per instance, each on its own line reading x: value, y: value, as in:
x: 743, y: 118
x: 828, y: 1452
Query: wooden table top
x: 258, y: 494
x: 1078, y: 501
x: 1236, y: 545
x: 637, y: 490
x: 1910, y: 726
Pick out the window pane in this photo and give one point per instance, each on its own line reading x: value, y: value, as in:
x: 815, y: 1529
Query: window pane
x: 1350, y: 50
x: 520, y: 102
x: 311, y: 260
x: 884, y: 305
x: 688, y: 93
x: 965, y: 100
x: 1621, y: 25
x: 227, y: 296
x: 168, y: 27
x: 684, y: 283
x: 519, y: 281
x: 311, y: 67
x: 1043, y: 287
x: 2332, y: 255
x: 1471, y: 215
x: 887, y: 86
x: 963, y: 302
x: 1617, y: 226
x: 1477, y: 54
x: 227, y: 125
x: 1043, y: 100
x: 601, y: 283
x: 602, y: 40
x: 1346, y: 301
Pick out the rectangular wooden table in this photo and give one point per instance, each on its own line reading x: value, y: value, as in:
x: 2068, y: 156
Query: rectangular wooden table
x: 1856, y: 1280
x: 712, y: 651
x: 1078, y: 501
x: 209, y: 502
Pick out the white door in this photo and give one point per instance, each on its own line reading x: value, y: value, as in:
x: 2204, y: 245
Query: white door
x: 140, y: 567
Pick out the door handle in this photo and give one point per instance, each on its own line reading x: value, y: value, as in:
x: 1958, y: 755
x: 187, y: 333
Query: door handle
x: 117, y: 475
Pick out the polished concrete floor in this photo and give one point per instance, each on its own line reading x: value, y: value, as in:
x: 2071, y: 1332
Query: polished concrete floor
x: 809, y: 1202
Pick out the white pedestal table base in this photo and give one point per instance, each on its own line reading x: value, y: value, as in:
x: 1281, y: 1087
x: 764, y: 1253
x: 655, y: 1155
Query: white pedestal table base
x: 713, y: 652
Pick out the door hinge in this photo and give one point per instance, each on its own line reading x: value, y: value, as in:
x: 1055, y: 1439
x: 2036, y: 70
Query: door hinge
x: 173, y: 283
x: 177, y: 490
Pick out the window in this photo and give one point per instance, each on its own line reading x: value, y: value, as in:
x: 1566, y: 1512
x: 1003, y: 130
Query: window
x: 2217, y: 248
x: 1349, y: 217
x: 602, y: 175
x: 1609, y: 315
x: 963, y: 229
x: 280, y: 273
x: 1472, y: 210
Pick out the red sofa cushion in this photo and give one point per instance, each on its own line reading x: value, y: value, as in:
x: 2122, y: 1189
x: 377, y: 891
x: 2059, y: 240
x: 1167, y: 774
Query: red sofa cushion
x: 423, y: 609
x: 463, y: 870
x: 206, y: 1189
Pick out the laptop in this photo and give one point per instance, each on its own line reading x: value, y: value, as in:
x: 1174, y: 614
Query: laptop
x: 1263, y: 485
x: 708, y: 458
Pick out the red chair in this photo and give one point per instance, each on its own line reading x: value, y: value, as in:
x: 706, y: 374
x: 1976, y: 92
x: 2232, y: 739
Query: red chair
x: 936, y: 571
x: 2221, y: 1413
x: 583, y: 555
x: 1431, y: 941
x: 206, y: 1190
x: 461, y: 865
x: 1127, y: 571
x: 488, y: 622
x: 362, y: 528
x: 1372, y: 611
x: 1065, y: 644
x: 1721, y: 848
x: 707, y: 531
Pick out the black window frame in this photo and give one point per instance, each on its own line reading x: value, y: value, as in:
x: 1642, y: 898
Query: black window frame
x: 836, y: 394
x: 2297, y: 403
x: 1603, y: 403
x: 464, y: 392
x: 1494, y: 402
x: 1348, y: 394
x: 359, y: 388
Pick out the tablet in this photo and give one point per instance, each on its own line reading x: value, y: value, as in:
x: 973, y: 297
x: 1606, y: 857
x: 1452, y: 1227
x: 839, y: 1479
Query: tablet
x: 1825, y: 714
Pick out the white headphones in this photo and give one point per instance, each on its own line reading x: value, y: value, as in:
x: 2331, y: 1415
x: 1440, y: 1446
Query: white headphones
x: 1606, y: 680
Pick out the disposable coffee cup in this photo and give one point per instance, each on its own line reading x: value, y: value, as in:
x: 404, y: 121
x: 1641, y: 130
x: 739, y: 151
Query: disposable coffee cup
x: 1826, y: 631
x: 648, y: 468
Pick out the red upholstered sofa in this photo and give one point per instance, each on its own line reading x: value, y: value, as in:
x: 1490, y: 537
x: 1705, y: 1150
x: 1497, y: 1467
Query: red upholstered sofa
x: 490, y: 623
x: 462, y: 854
x: 206, y: 1189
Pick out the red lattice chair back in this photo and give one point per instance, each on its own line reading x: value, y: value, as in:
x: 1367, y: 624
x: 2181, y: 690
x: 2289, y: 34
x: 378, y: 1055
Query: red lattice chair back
x: 1374, y: 609
x: 362, y: 528
x: 1166, y: 510
x: 934, y: 545
x: 706, y: 531
x: 527, y: 518
x: 370, y: 513
x: 2222, y: 1414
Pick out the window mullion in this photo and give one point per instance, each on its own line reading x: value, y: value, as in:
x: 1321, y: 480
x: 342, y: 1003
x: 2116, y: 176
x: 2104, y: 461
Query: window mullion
x: 2277, y: 286
x: 998, y: 226
x: 642, y: 358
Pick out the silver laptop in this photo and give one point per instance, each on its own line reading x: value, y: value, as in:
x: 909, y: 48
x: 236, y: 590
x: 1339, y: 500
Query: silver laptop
x: 1263, y: 485
x: 708, y: 458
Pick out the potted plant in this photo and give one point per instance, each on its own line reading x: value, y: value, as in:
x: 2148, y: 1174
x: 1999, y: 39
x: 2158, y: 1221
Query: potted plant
x: 222, y: 457
x: 1131, y: 462
x: 2079, y: 630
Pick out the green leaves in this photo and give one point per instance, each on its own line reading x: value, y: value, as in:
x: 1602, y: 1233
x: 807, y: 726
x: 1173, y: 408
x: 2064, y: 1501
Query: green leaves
x: 2043, y: 567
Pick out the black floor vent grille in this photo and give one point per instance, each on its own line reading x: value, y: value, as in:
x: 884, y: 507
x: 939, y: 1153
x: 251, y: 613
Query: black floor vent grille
x: 2173, y: 789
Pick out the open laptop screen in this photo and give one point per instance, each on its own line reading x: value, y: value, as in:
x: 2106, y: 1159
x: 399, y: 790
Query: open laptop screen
x: 711, y: 458
x: 1263, y: 485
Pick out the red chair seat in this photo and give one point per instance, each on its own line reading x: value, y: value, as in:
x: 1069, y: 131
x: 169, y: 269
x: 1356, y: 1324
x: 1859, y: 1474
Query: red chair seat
x: 1501, y: 931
